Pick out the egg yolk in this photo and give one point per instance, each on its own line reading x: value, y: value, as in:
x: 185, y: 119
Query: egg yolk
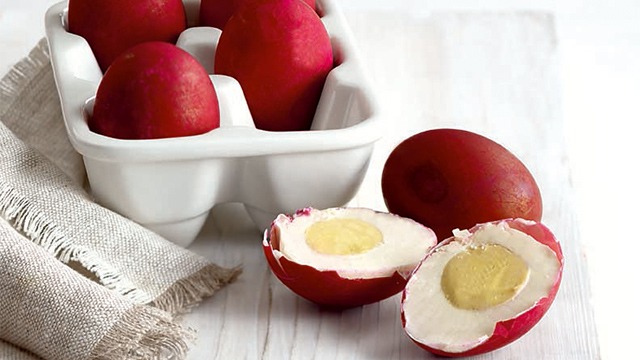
x: 344, y: 236
x: 484, y: 276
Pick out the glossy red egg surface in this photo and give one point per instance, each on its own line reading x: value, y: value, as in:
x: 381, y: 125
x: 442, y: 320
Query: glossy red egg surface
x: 449, y: 178
x: 112, y: 26
x: 216, y: 13
x: 280, y: 53
x: 155, y: 90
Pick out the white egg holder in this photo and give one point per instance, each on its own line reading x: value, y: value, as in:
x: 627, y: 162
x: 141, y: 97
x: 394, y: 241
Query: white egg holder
x: 170, y: 185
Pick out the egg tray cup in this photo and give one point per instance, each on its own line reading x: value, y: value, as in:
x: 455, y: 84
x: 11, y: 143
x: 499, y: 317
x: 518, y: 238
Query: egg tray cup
x: 170, y: 185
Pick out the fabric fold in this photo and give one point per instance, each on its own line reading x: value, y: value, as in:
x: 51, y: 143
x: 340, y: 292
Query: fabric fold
x: 53, y: 212
x: 9, y: 351
x: 56, y: 313
x: 30, y: 108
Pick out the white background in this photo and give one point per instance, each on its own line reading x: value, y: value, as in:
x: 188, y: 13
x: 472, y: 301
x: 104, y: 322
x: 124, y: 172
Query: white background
x: 599, y: 43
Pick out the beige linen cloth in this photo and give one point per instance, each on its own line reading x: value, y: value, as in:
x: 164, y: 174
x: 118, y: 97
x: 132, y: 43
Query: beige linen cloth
x: 78, y: 281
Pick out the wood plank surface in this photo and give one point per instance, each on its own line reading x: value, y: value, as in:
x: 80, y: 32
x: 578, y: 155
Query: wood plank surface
x: 492, y: 73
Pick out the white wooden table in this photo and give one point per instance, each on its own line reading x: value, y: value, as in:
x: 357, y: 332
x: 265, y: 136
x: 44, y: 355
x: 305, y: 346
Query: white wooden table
x: 493, y: 73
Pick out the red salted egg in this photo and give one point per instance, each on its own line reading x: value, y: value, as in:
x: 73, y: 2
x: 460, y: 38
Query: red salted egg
x: 345, y: 257
x: 483, y: 288
x: 155, y: 90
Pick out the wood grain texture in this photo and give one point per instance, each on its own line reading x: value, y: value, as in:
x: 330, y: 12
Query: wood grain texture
x: 492, y: 73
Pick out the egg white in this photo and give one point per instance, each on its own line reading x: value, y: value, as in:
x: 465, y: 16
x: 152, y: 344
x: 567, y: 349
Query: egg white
x: 404, y: 243
x: 432, y: 320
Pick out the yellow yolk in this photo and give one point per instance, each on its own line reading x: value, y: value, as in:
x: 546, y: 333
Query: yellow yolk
x: 483, y: 277
x: 342, y: 236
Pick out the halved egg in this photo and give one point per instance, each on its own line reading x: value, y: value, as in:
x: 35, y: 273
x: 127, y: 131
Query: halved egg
x: 482, y: 288
x: 345, y: 257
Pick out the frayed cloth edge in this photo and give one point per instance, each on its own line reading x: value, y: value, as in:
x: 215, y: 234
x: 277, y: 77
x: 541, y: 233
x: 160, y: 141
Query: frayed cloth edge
x: 188, y: 292
x: 35, y: 226
x: 144, y: 332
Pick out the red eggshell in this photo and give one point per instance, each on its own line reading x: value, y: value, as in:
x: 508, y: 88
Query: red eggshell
x: 327, y: 288
x: 509, y: 330
x: 112, y: 26
x: 216, y: 13
x: 451, y: 178
x: 155, y: 90
x: 280, y: 53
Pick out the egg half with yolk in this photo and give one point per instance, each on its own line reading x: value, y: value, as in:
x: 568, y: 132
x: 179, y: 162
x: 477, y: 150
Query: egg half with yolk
x: 482, y: 288
x: 345, y: 257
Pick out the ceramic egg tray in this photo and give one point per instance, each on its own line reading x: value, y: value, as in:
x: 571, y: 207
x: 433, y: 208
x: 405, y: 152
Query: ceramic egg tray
x: 170, y: 185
